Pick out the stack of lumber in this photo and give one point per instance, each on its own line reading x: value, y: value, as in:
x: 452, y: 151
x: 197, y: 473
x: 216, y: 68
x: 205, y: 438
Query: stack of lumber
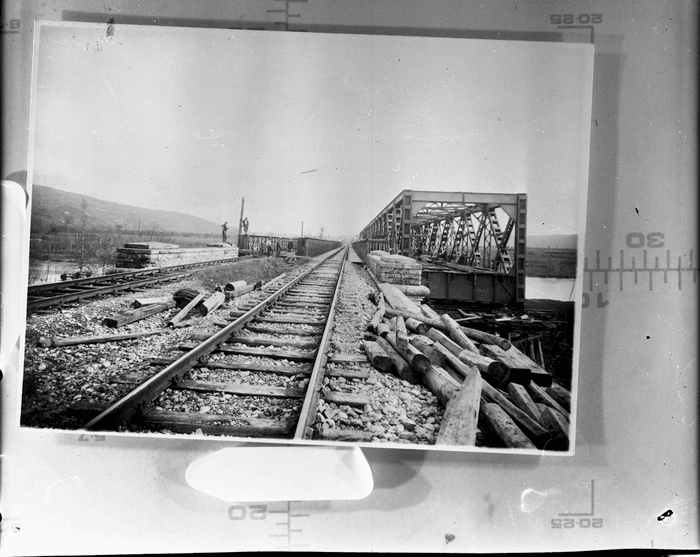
x: 403, y: 272
x: 185, y: 299
x: 486, y: 385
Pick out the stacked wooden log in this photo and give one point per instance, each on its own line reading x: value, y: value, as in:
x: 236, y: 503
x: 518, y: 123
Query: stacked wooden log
x: 491, y: 391
x: 185, y: 299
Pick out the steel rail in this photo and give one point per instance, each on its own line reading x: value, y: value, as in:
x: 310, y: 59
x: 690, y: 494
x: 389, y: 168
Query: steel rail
x: 124, y: 409
x: 111, y: 277
x: 73, y: 296
x: 308, y: 409
x: 92, y: 286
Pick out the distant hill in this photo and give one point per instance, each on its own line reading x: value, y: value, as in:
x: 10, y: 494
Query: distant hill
x: 555, y: 241
x: 58, y: 210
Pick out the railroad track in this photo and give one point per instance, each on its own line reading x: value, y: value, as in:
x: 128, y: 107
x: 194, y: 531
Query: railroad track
x: 282, y: 334
x: 57, y: 293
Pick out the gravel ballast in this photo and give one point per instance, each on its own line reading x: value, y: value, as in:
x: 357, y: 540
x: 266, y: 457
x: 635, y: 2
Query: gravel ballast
x: 65, y: 387
x: 399, y: 412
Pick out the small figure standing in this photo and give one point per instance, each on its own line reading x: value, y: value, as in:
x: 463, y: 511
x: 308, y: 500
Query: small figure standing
x: 244, y: 225
x: 278, y: 249
x: 290, y: 246
x: 224, y: 230
x: 269, y: 247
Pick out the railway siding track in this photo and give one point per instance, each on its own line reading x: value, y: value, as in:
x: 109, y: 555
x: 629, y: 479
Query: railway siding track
x: 56, y: 293
x: 282, y: 332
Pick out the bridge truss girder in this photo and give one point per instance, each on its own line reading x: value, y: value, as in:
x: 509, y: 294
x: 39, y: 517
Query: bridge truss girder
x: 485, y: 231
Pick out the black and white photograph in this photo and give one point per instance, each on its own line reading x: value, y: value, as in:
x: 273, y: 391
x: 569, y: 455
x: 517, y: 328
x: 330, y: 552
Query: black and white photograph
x: 329, y: 276
x: 301, y: 238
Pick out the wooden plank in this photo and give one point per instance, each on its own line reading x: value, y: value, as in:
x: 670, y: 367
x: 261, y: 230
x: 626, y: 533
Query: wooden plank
x: 348, y: 373
x: 494, y: 368
x: 522, y: 399
x: 418, y: 361
x: 290, y: 321
x: 487, y: 338
x: 212, y: 303
x: 429, y: 312
x: 557, y: 424
x: 267, y: 341
x: 352, y: 435
x: 351, y: 399
x: 379, y: 359
x: 184, y: 311
x: 415, y: 290
x: 441, y: 384
x: 303, y: 310
x: 294, y: 356
x: 457, y: 335
x: 514, y: 358
x: 140, y: 302
x: 383, y: 329
x: 456, y: 382
x: 438, y: 336
x: 561, y: 395
x: 264, y: 368
x: 182, y: 422
x: 536, y: 432
x: 137, y: 314
x: 435, y: 323
x: 305, y: 298
x: 348, y: 359
x: 401, y: 333
x: 460, y: 420
x: 494, y: 419
x: 377, y: 317
x: 397, y: 299
x: 427, y: 346
x: 539, y: 395
x: 281, y: 330
x: 347, y: 346
x: 416, y: 326
x: 73, y: 341
x: 240, y: 389
x: 401, y: 367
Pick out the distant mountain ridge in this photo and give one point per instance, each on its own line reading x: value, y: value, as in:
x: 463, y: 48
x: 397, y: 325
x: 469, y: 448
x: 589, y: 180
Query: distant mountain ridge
x: 54, y: 209
x: 555, y: 241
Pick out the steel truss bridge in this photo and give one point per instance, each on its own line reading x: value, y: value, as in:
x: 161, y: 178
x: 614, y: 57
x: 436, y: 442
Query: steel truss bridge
x: 478, y: 233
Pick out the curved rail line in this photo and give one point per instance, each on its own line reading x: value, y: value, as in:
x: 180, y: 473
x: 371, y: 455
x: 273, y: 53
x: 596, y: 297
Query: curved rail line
x: 55, y: 293
x: 303, y: 308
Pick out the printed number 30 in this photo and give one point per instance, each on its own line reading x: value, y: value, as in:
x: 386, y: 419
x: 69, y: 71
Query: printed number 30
x: 652, y: 240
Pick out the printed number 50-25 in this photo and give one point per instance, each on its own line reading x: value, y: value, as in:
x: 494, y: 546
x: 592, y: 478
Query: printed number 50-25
x: 570, y: 19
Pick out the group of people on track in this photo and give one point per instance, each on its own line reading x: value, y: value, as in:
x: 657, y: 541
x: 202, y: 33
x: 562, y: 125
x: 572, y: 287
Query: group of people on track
x: 265, y: 248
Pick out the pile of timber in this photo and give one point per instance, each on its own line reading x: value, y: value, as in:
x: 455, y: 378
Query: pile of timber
x: 240, y: 287
x: 491, y: 390
x: 186, y: 300
x: 505, y: 321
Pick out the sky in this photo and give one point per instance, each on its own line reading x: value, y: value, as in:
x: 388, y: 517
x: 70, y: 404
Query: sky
x: 319, y: 129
